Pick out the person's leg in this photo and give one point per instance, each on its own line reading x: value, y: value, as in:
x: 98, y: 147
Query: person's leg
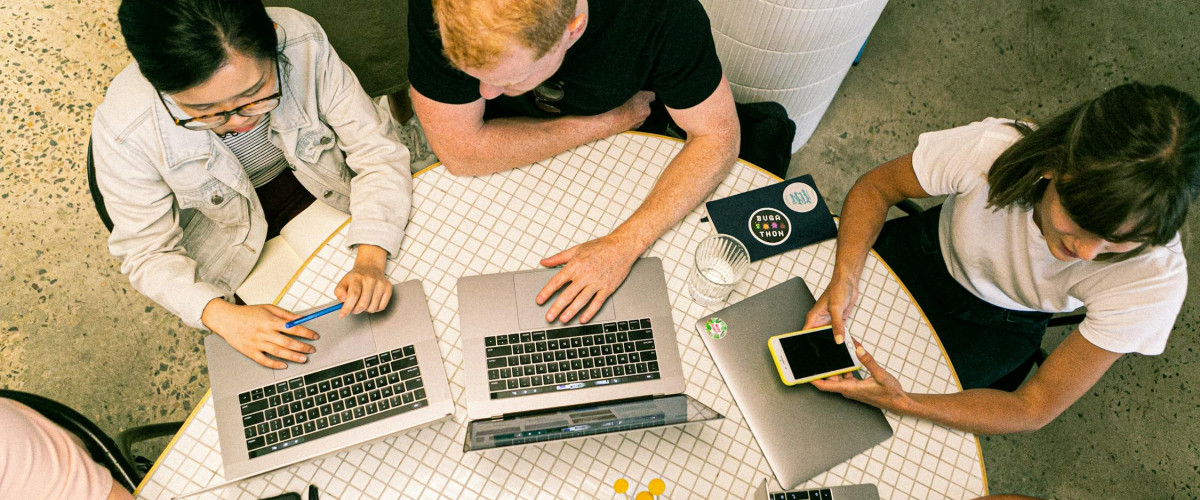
x: 401, y: 106
x: 984, y: 341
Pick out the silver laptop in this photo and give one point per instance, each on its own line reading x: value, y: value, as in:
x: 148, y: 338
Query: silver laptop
x: 587, y: 420
x: 372, y: 375
x: 516, y: 362
x: 801, y: 430
x: 848, y: 492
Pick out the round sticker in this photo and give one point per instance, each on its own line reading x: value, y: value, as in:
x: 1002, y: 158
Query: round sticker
x: 716, y: 328
x: 800, y: 197
x: 770, y: 226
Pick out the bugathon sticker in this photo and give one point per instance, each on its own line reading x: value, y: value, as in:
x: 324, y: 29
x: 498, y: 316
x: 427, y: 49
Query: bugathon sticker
x: 770, y: 226
x: 800, y: 197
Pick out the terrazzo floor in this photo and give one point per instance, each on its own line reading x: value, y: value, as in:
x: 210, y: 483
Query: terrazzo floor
x: 72, y: 328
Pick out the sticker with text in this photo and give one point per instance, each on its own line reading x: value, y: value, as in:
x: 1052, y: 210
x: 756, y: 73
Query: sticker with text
x: 800, y: 197
x: 770, y: 226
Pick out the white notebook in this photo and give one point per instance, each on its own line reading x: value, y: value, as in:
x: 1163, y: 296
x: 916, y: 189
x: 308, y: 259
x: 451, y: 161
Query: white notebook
x: 283, y: 255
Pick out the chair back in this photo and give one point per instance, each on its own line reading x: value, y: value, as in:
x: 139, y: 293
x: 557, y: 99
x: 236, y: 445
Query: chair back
x: 97, y: 198
x: 101, y: 447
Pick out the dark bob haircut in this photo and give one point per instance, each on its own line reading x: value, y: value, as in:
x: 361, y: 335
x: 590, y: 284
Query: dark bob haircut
x: 179, y: 44
x: 1126, y: 164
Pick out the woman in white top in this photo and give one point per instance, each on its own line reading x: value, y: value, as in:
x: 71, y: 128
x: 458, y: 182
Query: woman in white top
x: 233, y: 119
x: 1083, y: 211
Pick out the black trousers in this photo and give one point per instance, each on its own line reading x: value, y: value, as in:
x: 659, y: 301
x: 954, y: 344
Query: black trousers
x: 282, y: 200
x: 985, y: 342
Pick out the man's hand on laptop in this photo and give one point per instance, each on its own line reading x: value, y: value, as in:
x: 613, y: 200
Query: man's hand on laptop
x: 257, y: 330
x: 591, y: 273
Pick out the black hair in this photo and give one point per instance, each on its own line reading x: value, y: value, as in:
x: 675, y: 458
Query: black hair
x: 1126, y: 164
x: 179, y: 44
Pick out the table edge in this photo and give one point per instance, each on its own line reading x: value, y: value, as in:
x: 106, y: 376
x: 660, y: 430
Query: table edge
x: 953, y: 372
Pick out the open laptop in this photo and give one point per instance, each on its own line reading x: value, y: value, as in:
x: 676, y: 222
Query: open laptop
x: 515, y: 363
x: 587, y: 420
x: 848, y: 492
x: 372, y: 375
x: 801, y: 430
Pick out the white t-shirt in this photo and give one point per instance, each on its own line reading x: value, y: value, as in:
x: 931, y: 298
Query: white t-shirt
x: 1001, y: 256
x: 41, y: 461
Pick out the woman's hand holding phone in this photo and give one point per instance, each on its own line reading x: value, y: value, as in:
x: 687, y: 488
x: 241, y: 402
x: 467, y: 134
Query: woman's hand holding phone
x: 880, y: 390
x: 834, y: 306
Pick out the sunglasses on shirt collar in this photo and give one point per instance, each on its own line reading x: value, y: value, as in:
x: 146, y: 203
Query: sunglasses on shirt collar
x: 546, y: 93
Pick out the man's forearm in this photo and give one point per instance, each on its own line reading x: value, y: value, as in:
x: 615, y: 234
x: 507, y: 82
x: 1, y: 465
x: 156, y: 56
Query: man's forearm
x: 506, y: 143
x: 687, y: 180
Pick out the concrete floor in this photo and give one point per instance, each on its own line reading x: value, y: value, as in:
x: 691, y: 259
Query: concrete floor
x: 72, y: 328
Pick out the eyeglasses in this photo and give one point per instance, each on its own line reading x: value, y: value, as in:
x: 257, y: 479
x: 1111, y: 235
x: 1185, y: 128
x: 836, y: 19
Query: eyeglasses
x: 251, y: 109
x: 548, y: 92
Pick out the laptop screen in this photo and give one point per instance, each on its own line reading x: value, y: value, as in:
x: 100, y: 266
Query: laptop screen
x: 589, y: 420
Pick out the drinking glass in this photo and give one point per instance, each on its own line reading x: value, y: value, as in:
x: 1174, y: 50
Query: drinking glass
x: 721, y: 261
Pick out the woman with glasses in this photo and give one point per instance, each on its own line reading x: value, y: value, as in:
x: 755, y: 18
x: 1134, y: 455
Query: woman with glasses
x: 231, y: 121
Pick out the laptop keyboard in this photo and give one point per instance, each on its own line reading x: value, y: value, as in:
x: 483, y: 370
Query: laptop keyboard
x: 825, y: 494
x: 324, y: 402
x: 569, y: 358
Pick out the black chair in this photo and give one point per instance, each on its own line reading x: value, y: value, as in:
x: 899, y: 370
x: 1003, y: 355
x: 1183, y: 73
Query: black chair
x: 114, y: 455
x: 97, y: 198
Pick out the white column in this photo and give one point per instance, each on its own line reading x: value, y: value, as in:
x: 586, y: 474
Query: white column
x: 794, y: 52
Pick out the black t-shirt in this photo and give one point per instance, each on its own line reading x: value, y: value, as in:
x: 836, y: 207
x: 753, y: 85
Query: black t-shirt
x: 664, y: 46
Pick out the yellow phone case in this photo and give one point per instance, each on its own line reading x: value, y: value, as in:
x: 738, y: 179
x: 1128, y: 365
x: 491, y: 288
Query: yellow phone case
x: 779, y: 368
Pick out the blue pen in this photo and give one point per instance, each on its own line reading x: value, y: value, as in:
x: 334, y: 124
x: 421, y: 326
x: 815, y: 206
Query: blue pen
x: 313, y: 316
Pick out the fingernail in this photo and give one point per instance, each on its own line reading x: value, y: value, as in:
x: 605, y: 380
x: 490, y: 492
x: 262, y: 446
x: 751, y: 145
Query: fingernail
x: 303, y: 358
x: 839, y: 338
x: 316, y: 336
x: 859, y: 351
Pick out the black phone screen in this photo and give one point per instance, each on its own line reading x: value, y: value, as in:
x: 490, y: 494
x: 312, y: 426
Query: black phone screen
x: 815, y: 353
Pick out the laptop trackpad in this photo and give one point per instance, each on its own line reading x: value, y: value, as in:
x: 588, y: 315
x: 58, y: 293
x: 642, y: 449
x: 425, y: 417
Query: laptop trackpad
x: 530, y: 315
x: 341, y: 340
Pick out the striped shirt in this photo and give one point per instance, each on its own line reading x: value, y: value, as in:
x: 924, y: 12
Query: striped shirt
x: 261, y: 159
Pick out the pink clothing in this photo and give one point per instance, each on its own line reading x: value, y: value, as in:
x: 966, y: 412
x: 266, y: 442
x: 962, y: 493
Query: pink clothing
x: 41, y: 461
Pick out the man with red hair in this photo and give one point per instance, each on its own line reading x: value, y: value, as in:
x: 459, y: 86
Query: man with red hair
x: 498, y: 84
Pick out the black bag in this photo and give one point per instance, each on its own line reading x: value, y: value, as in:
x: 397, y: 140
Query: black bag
x: 767, y: 135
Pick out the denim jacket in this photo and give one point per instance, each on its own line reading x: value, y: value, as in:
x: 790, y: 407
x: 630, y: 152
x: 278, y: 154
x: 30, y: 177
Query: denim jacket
x: 188, y: 226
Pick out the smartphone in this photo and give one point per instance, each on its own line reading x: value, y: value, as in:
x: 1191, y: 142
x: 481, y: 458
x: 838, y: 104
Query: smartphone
x: 811, y: 354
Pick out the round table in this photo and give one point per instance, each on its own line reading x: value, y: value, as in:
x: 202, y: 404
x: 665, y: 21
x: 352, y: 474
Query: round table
x: 507, y: 222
